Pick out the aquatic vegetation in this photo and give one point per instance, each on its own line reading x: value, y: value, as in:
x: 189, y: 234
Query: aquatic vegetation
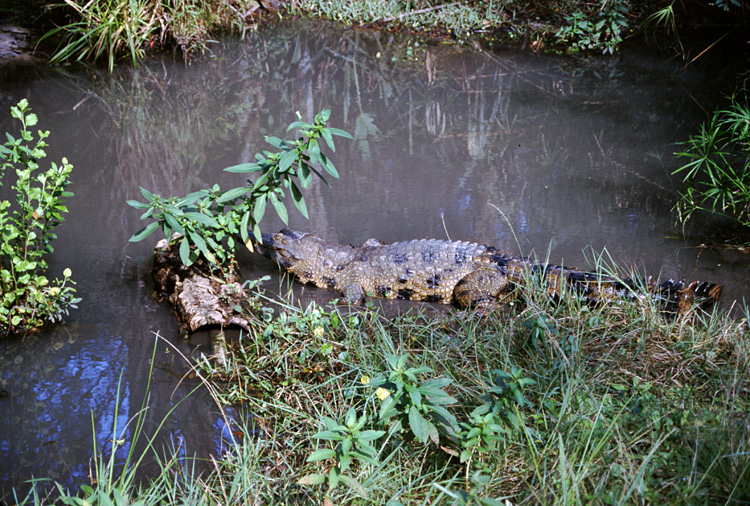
x: 29, y: 299
x: 717, y: 176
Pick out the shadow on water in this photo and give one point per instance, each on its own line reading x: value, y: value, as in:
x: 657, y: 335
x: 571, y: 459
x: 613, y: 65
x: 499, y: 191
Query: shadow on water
x: 573, y: 152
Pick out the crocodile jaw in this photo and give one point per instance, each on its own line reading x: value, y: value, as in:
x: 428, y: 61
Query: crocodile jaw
x: 284, y: 248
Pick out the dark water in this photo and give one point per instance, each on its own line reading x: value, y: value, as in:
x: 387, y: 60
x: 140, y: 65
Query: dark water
x: 522, y: 151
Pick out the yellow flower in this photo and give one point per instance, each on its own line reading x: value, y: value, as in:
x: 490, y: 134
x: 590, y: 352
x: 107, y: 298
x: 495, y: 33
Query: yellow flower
x: 318, y: 331
x: 67, y: 273
x: 365, y: 380
x: 382, y: 393
x: 54, y: 290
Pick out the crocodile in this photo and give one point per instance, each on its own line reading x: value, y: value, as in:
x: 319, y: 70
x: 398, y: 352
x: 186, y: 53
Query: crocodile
x: 456, y: 272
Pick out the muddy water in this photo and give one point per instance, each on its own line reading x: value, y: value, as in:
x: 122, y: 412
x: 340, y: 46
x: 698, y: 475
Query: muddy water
x: 527, y: 152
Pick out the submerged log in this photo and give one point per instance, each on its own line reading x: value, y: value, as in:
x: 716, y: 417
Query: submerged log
x: 200, y: 299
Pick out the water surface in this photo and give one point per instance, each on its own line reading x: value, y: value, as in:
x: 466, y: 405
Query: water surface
x: 527, y: 152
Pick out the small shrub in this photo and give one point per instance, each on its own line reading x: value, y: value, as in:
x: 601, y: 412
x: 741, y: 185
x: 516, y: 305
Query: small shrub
x: 351, y: 442
x: 26, y: 233
x: 418, y: 407
x: 600, y: 31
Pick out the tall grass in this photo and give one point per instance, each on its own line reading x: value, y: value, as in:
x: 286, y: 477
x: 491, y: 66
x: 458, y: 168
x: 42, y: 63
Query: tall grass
x: 611, y: 404
x: 107, y: 29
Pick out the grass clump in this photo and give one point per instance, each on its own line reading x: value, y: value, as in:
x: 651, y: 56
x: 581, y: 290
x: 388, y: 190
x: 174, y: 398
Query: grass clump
x: 561, y: 404
x: 110, y: 30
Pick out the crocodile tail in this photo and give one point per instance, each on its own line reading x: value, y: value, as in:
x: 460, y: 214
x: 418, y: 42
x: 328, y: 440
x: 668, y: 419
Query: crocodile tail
x: 679, y: 297
x: 673, y: 296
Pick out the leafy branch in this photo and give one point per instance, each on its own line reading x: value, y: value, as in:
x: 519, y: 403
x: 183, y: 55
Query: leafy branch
x: 212, y: 220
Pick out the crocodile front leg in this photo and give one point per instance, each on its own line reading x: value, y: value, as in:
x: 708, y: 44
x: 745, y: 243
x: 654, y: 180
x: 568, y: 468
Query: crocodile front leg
x: 353, y: 293
x: 480, y: 288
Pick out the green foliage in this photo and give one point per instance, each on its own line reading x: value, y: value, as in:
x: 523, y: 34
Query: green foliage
x: 351, y: 442
x: 601, y: 30
x: 212, y: 219
x: 717, y: 177
x: 420, y: 407
x: 500, y: 410
x: 26, y: 232
x: 106, y: 29
x: 653, y: 412
x: 472, y: 497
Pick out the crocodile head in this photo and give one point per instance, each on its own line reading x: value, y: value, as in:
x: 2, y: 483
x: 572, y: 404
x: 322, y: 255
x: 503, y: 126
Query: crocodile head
x: 285, y: 248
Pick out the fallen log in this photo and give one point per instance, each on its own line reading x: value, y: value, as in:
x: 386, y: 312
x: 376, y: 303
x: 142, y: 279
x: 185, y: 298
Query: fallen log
x: 200, y: 298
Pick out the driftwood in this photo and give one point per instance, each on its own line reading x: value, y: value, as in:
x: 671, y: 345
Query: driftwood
x: 200, y: 299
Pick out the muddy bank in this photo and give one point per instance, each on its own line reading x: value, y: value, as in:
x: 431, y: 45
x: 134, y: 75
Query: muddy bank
x: 16, y: 44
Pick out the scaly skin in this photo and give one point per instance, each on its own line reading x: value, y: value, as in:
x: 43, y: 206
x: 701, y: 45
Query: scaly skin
x: 463, y: 273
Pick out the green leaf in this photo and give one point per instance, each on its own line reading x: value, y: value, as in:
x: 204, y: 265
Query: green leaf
x: 323, y: 116
x: 371, y: 435
x: 344, y: 461
x: 260, y: 208
x: 172, y: 223
x: 288, y: 159
x: 340, y: 133
x: 144, y: 232
x: 185, y: 252
x: 322, y: 454
x: 312, y: 479
x: 299, y: 124
x: 328, y: 165
x: 299, y: 200
x: 137, y: 205
x: 313, y: 149
x: 150, y: 196
x: 326, y: 133
x: 200, y: 243
x: 329, y: 435
x: 333, y: 477
x: 201, y: 218
x: 275, y: 141
x: 232, y: 194
x: 280, y: 208
x: 244, y: 223
x: 414, y: 395
x: 261, y: 180
x: 244, y: 168
x: 419, y: 425
x: 305, y: 177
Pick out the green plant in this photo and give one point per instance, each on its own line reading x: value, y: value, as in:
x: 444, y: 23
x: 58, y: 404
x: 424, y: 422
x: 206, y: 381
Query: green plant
x: 718, y: 173
x: 500, y: 410
x: 26, y: 233
x: 471, y: 497
x: 418, y: 407
x: 598, y: 31
x: 212, y: 219
x: 351, y: 442
x: 107, y: 28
